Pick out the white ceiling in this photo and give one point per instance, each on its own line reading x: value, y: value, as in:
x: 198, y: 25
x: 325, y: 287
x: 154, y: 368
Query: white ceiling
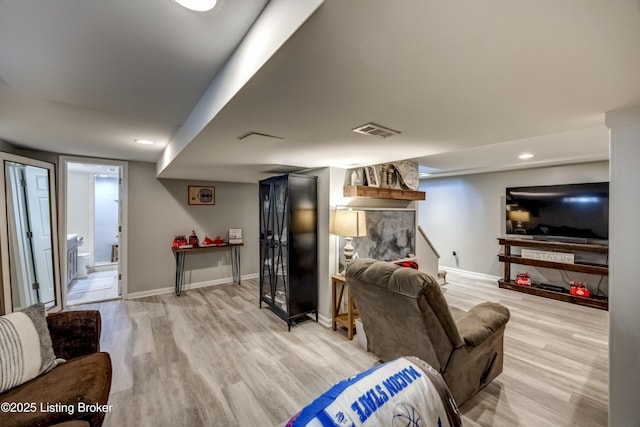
x: 469, y: 86
x: 86, y: 77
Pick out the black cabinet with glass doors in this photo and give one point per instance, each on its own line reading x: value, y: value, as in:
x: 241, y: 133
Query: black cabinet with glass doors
x: 289, y: 246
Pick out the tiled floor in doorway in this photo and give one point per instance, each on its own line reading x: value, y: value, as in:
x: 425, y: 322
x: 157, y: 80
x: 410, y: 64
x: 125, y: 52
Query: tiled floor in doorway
x: 98, y: 286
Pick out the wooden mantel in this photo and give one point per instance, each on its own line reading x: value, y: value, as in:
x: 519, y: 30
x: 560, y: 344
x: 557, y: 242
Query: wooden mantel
x: 382, y: 193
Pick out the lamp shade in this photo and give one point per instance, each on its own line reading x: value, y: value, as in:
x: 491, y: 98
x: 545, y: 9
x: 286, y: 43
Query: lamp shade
x: 349, y: 223
x: 522, y: 216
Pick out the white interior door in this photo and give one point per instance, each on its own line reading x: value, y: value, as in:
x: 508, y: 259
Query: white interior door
x: 22, y: 271
x: 28, y: 235
x: 37, y: 194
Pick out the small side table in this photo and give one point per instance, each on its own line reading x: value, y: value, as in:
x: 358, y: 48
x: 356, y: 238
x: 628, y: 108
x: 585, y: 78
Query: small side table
x: 347, y: 319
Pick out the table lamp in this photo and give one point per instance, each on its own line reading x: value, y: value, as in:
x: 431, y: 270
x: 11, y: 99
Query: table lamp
x: 350, y: 224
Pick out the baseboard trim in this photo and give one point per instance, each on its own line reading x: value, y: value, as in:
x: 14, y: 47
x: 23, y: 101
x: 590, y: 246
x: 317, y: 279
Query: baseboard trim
x: 470, y: 274
x: 171, y: 289
x: 323, y: 320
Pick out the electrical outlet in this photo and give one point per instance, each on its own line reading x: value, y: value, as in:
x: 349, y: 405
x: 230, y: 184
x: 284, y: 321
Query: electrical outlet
x: 454, y: 253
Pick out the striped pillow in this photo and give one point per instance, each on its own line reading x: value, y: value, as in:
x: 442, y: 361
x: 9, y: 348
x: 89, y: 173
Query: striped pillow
x: 25, y: 347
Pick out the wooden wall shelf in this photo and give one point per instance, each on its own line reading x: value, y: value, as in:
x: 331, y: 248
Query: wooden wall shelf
x: 508, y: 258
x: 382, y: 193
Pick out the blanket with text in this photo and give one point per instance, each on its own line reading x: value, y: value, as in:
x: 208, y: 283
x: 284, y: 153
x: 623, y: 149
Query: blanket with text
x: 397, y: 393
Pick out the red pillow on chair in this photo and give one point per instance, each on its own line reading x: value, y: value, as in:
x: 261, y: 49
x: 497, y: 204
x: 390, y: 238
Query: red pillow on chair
x: 410, y: 264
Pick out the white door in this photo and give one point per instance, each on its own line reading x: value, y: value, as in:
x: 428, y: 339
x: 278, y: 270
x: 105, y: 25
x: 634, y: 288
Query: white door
x: 37, y: 191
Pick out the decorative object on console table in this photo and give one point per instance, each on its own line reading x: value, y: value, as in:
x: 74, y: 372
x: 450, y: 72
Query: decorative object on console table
x: 193, y: 239
x: 235, y: 235
x: 180, y: 242
x: 289, y: 246
x: 349, y: 224
x: 202, y: 195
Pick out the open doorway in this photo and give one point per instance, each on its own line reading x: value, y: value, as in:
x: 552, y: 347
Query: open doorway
x: 94, y: 212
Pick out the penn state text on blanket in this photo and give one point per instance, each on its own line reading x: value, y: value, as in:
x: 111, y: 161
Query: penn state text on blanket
x: 397, y: 393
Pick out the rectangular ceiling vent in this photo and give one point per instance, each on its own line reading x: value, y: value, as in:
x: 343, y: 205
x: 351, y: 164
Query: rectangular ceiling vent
x: 376, y: 130
x: 258, y: 137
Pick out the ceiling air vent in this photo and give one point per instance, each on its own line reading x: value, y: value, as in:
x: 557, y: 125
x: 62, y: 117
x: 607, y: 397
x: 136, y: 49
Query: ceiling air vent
x: 376, y: 130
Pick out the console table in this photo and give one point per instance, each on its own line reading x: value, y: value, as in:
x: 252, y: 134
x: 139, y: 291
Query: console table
x: 348, y: 318
x: 598, y: 269
x: 180, y: 255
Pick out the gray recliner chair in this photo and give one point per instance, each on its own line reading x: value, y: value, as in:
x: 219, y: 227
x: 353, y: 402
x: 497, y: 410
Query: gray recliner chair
x: 404, y: 313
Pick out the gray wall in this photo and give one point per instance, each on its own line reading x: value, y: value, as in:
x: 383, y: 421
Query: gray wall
x: 80, y: 191
x: 324, y: 289
x: 465, y: 213
x: 624, y: 301
x: 158, y: 211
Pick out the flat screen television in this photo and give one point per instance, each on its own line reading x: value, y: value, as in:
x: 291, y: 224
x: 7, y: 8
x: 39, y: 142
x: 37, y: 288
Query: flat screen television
x: 569, y: 212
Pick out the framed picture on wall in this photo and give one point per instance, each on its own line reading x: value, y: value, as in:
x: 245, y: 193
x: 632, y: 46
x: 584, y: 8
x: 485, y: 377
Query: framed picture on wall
x: 202, y: 195
x: 391, y: 235
x: 372, y: 176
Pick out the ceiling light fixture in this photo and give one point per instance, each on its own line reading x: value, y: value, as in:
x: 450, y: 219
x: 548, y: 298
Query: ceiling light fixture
x: 525, y: 156
x: 198, y: 5
x: 144, y: 141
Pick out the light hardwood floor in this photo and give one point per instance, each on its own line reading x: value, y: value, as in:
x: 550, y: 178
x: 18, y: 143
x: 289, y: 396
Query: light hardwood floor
x: 213, y: 358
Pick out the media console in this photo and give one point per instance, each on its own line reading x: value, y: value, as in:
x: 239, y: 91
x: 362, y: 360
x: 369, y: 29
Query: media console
x: 546, y: 290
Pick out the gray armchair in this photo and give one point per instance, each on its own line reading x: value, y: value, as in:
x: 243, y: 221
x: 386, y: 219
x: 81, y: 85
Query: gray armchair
x: 404, y: 313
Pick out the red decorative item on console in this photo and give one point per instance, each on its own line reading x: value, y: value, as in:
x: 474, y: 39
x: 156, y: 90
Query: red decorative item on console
x: 212, y: 242
x: 523, y: 279
x: 579, y: 288
x: 193, y: 239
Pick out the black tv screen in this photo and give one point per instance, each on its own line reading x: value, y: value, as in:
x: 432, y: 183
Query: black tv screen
x: 572, y: 212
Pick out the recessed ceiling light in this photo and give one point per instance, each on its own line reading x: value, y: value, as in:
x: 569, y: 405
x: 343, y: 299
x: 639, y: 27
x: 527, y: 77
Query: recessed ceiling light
x: 143, y: 141
x: 525, y: 156
x: 198, y: 5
